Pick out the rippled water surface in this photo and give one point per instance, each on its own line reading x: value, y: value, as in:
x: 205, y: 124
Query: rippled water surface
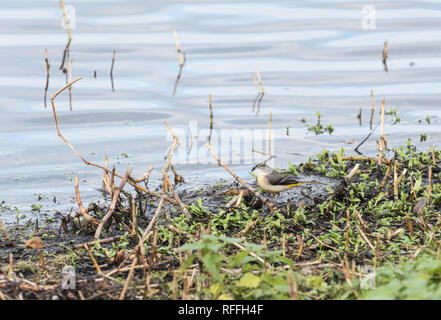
x: 314, y: 56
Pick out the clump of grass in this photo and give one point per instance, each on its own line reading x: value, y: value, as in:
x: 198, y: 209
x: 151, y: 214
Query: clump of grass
x: 318, y: 128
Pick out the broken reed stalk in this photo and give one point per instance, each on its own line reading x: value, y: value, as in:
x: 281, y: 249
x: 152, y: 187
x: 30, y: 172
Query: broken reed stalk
x: 178, y: 48
x: 132, y: 183
x: 365, y: 139
x: 145, y: 176
x: 385, y: 53
x: 366, y: 239
x: 111, y: 70
x: 169, y: 157
x: 106, y: 179
x: 433, y: 156
x: 66, y: 23
x: 381, y: 152
x: 249, y: 226
x: 429, y: 190
x: 269, y: 204
x: 3, y: 229
x: 252, y: 254
x: 239, y: 199
x: 129, y: 278
x: 210, y: 104
x: 150, y: 225
x: 47, y: 77
x: 175, y: 195
x: 352, y: 173
x: 11, y: 264
x: 80, y: 204
x: 413, y: 189
x: 176, y: 143
x: 395, y: 183
x: 372, y: 109
x: 97, y: 267
x: 360, y: 218
x: 113, y: 62
x: 134, y: 214
x: 232, y: 201
x: 259, y: 79
x: 112, y: 205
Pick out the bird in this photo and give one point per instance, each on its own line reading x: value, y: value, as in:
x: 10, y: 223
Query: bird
x: 274, y: 182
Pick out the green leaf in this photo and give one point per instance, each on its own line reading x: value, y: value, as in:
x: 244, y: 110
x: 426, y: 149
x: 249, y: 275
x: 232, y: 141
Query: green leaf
x: 192, y: 246
x: 239, y: 257
x: 211, y: 264
x: 215, y: 289
x: 187, y: 263
x: 225, y: 296
x: 249, y: 280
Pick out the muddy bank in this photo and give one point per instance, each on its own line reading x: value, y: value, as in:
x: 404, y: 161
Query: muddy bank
x: 318, y: 242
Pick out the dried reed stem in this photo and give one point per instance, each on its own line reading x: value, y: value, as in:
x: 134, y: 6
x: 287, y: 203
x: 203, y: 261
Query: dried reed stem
x: 252, y: 254
x: 352, y: 173
x: 385, y: 54
x: 112, y: 205
x: 3, y: 229
x: 150, y: 225
x: 259, y: 79
x: 178, y: 48
x: 80, y: 204
x: 175, y: 195
x: 249, y: 226
x: 91, y: 163
x: 66, y: 23
x: 366, y: 239
x: 97, y: 267
x: 395, y: 183
x: 429, y: 190
x: 11, y: 264
x: 47, y: 77
x: 129, y: 278
x: 111, y: 70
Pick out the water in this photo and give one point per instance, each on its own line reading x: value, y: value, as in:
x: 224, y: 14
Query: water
x: 314, y: 56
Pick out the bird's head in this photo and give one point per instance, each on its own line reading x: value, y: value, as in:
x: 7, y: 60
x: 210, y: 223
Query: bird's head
x: 262, y: 167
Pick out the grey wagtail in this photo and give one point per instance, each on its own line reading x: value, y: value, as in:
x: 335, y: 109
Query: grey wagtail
x: 273, y: 181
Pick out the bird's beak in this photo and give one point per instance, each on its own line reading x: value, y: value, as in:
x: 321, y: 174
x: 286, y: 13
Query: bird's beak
x: 254, y: 168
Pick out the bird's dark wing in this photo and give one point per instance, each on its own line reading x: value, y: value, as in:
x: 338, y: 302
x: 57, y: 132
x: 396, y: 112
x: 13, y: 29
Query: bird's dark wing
x: 276, y: 178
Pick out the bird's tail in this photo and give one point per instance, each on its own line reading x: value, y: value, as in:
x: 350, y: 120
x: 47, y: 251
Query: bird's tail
x: 295, y: 185
x: 300, y: 183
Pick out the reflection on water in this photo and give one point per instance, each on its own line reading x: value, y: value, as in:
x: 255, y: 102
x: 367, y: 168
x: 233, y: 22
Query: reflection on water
x: 314, y: 56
